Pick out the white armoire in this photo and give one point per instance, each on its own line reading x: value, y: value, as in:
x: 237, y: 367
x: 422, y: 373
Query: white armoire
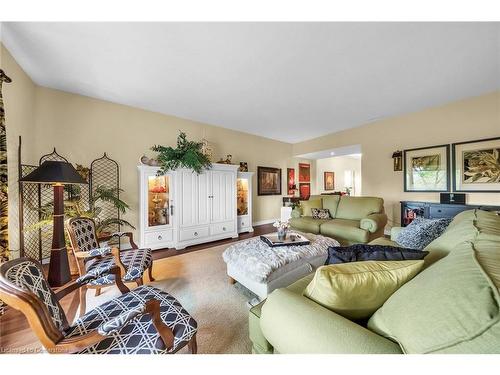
x: 183, y: 208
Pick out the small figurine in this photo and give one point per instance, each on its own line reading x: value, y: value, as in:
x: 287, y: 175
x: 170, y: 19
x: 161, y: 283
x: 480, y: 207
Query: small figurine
x: 243, y: 166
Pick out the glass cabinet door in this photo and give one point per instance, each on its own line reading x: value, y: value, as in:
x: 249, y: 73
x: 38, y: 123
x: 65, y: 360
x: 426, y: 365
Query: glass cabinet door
x: 242, y: 202
x: 158, y: 200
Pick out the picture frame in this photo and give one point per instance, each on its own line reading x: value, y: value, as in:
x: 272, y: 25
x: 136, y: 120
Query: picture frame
x: 304, y: 172
x: 290, y: 181
x: 328, y: 180
x: 476, y: 166
x: 268, y: 181
x: 304, y: 190
x: 427, y: 169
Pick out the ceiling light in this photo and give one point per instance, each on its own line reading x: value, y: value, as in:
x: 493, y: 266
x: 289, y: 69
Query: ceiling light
x: 332, y: 153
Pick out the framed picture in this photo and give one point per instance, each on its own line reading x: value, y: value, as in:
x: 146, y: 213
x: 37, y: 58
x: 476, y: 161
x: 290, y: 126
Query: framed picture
x: 426, y: 169
x: 329, y: 180
x: 305, y: 190
x: 290, y: 181
x: 304, y: 172
x: 476, y: 166
x: 268, y: 181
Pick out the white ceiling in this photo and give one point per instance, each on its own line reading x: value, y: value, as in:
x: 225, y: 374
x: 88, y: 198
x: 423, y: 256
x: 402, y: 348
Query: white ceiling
x: 287, y: 81
x: 353, y: 151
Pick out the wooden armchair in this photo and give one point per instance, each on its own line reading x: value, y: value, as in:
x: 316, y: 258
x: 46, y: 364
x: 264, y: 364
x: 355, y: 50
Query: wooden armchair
x: 145, y: 320
x: 93, y: 260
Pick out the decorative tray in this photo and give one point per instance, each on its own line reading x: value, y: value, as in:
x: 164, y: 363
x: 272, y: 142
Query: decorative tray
x: 292, y: 239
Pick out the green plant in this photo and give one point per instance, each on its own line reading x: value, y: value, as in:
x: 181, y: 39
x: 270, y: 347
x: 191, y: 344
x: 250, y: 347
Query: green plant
x: 74, y: 206
x: 188, y: 154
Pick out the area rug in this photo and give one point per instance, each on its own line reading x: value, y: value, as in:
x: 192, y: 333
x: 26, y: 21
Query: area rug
x: 199, y: 281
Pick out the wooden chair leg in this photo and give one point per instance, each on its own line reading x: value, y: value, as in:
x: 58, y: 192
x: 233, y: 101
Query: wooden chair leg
x: 150, y: 272
x: 192, y: 345
x: 83, y: 300
x: 139, y: 282
x: 98, y: 292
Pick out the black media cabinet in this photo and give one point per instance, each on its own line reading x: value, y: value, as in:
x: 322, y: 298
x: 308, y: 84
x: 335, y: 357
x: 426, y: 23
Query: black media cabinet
x: 430, y: 210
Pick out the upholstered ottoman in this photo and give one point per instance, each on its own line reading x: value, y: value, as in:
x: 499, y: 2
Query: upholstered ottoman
x: 261, y: 268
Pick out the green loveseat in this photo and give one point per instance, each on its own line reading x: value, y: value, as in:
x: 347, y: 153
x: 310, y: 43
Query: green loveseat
x: 353, y: 219
x: 451, y: 306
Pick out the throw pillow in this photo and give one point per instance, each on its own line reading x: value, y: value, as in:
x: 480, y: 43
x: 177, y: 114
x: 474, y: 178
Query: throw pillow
x: 421, y: 232
x: 361, y: 252
x: 450, y: 307
x: 320, y: 213
x: 356, y: 290
x: 306, y: 206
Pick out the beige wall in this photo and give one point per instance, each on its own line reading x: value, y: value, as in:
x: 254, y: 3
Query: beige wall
x: 470, y: 119
x: 19, y: 100
x: 82, y: 128
x: 338, y: 165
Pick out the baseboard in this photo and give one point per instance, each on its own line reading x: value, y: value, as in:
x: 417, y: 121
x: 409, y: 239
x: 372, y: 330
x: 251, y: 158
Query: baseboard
x: 263, y: 222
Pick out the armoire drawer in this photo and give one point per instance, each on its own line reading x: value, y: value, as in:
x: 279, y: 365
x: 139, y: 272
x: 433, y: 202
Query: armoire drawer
x: 220, y: 228
x: 157, y: 238
x: 193, y: 233
x: 243, y: 221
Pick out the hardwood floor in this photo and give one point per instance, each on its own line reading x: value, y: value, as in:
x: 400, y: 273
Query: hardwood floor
x: 16, y: 335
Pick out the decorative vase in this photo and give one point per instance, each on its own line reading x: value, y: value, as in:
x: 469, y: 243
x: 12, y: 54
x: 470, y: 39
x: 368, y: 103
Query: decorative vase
x: 282, y: 234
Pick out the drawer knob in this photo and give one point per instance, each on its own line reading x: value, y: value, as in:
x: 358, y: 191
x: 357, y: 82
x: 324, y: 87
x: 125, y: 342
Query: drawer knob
x: 242, y: 224
x: 160, y: 237
x: 195, y: 233
x: 223, y: 228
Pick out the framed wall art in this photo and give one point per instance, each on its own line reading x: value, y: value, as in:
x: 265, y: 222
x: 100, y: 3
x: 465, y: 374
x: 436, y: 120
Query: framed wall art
x: 305, y: 191
x: 304, y: 172
x: 476, y: 166
x: 426, y: 169
x: 268, y: 181
x: 329, y: 180
x: 290, y: 181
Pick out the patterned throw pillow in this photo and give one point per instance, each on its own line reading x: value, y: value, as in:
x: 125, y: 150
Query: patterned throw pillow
x: 320, y: 213
x: 421, y: 232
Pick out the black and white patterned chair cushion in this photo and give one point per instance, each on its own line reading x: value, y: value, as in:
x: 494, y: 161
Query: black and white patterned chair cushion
x: 136, y: 261
x: 138, y: 334
x: 84, y: 232
x: 28, y: 276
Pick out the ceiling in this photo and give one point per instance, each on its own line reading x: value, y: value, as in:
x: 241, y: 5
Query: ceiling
x: 353, y: 151
x: 286, y: 81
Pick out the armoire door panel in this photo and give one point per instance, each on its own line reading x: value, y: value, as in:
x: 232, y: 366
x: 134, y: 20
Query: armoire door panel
x: 194, y: 198
x: 203, y: 201
x: 223, y: 196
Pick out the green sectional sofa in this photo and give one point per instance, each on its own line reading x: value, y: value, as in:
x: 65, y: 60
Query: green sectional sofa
x: 354, y: 219
x: 451, y: 306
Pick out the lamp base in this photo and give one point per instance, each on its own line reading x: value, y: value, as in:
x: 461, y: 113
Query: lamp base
x: 59, y: 273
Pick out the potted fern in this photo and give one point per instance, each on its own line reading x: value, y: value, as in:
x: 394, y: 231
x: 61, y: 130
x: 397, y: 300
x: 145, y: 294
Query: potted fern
x: 188, y: 154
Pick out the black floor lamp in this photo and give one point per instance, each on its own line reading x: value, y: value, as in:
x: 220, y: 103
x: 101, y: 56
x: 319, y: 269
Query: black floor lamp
x: 58, y: 174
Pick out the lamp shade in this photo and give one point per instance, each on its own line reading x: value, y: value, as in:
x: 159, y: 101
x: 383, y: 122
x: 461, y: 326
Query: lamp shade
x: 54, y: 172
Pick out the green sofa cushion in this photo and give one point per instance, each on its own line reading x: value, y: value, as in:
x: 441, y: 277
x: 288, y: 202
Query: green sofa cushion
x: 307, y: 205
x: 345, y: 230
x: 331, y: 202
x: 293, y: 323
x: 453, y: 305
x: 357, y: 208
x: 356, y: 290
x: 307, y: 224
